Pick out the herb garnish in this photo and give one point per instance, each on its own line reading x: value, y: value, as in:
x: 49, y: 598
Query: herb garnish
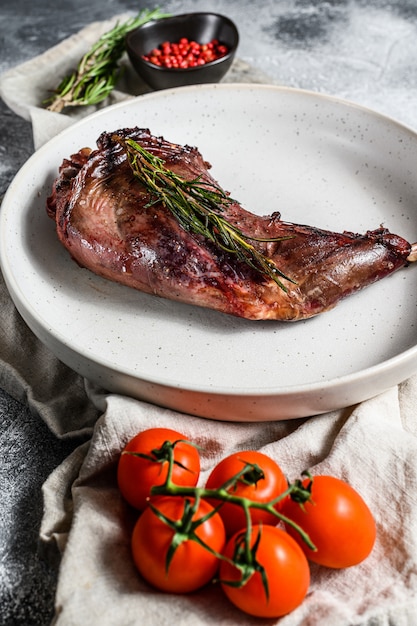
x: 198, y: 208
x: 97, y: 71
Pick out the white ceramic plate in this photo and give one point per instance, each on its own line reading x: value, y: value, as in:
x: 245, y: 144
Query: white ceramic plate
x: 319, y: 161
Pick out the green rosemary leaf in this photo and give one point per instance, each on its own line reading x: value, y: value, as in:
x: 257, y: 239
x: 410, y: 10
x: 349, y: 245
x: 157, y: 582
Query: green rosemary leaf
x: 97, y: 71
x: 198, y: 209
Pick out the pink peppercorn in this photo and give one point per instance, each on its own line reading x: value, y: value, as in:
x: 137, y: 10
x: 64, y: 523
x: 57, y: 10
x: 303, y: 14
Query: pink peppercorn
x: 184, y: 53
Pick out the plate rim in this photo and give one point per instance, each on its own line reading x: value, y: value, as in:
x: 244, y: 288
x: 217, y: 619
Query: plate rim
x: 25, y: 309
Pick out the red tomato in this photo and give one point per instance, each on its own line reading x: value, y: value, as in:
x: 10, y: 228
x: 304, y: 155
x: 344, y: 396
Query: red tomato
x: 286, y: 569
x: 337, y: 520
x: 192, y: 565
x: 263, y: 490
x: 137, y: 475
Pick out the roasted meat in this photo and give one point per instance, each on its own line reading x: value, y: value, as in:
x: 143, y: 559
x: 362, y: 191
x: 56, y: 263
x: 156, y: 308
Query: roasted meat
x: 111, y: 224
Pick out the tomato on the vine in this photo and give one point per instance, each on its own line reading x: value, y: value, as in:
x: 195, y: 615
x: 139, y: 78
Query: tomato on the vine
x: 337, y: 520
x: 259, y: 488
x: 136, y: 475
x: 285, y: 567
x: 192, y: 565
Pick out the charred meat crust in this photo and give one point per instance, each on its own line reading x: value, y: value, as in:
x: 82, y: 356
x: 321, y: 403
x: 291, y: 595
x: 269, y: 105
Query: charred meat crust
x: 106, y: 221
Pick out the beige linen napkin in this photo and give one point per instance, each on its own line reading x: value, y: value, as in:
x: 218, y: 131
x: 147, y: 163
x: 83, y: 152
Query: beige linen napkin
x: 373, y: 446
x: 31, y: 374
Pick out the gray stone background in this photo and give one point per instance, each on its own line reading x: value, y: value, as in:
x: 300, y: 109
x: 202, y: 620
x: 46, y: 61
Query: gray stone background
x: 361, y: 50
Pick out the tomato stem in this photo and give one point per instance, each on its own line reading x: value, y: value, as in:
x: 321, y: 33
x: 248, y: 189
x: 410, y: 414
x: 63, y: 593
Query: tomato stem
x: 163, y: 454
x: 170, y: 489
x: 185, y: 528
x: 244, y: 557
x: 193, y: 511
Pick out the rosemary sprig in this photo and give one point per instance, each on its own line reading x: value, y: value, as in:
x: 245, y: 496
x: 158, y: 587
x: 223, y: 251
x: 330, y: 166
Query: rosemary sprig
x: 97, y: 71
x: 198, y: 208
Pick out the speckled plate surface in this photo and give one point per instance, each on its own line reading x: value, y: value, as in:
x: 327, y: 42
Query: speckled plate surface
x: 319, y: 161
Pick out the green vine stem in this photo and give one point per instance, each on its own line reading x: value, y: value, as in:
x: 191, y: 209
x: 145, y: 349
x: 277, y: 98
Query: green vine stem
x: 221, y: 494
x: 185, y: 528
x: 169, y: 488
x: 244, y: 557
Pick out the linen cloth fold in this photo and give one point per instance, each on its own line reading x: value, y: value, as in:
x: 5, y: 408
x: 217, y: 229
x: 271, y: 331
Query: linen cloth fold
x: 373, y: 446
x: 31, y: 374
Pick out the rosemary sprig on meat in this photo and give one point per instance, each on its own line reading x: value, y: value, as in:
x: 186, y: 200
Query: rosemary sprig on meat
x: 98, y: 70
x: 198, y: 208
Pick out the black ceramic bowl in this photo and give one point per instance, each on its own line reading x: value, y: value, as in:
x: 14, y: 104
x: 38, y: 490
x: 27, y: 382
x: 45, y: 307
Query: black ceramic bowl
x: 199, y: 27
